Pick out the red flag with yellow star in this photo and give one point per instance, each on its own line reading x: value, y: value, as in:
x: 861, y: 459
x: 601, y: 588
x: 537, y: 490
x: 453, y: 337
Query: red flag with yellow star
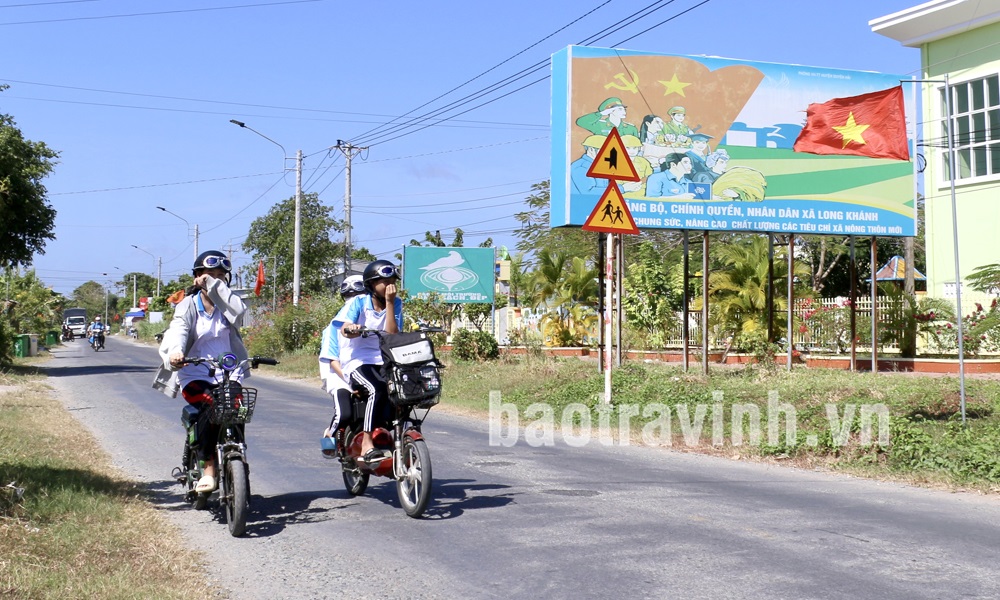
x: 872, y: 124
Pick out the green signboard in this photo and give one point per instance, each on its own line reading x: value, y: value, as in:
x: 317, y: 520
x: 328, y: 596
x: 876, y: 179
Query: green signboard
x: 457, y: 275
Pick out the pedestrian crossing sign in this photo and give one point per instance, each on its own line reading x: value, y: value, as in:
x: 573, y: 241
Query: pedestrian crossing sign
x: 611, y: 215
x: 612, y: 161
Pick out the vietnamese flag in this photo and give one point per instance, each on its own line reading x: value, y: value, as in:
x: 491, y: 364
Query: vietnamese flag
x: 872, y: 124
x: 260, y: 279
x: 176, y: 297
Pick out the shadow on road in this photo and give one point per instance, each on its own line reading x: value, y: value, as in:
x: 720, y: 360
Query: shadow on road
x: 95, y: 370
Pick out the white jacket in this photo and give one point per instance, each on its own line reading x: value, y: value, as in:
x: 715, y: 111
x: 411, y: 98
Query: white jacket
x: 177, y: 338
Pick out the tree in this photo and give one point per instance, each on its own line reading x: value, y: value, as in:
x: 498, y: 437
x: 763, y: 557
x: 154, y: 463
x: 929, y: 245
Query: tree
x: 274, y: 235
x: 536, y: 235
x: 28, y: 219
x: 34, y: 307
x: 652, y: 291
x: 738, y: 290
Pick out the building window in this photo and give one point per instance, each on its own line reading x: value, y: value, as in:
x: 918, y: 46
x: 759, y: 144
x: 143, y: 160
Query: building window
x: 975, y: 107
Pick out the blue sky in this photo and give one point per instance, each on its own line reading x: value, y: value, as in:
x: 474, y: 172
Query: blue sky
x: 139, y: 105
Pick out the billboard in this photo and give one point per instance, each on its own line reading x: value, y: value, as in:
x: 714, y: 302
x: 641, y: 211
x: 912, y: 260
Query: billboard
x: 713, y: 140
x: 458, y: 275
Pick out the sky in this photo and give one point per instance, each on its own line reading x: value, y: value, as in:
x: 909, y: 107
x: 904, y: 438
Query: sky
x: 137, y: 98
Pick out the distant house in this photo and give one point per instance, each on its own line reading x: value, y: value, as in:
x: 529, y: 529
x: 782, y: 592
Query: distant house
x: 957, y: 41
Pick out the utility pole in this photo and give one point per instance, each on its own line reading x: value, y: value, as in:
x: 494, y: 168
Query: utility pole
x: 298, y: 227
x: 349, y: 151
x: 159, y: 274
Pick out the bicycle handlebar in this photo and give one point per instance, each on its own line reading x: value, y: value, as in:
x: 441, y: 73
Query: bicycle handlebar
x: 214, y: 362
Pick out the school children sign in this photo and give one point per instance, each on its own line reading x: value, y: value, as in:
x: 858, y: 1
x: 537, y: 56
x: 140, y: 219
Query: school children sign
x: 732, y: 145
x: 457, y: 275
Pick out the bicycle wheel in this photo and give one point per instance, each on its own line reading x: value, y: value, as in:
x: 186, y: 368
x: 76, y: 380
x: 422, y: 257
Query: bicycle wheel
x: 236, y: 488
x: 414, y: 487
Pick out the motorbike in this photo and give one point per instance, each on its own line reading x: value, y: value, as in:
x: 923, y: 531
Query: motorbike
x: 413, y: 376
x: 232, y: 408
x: 98, y: 341
x: 67, y: 334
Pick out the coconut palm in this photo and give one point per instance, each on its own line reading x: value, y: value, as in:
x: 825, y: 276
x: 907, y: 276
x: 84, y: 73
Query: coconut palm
x: 738, y: 290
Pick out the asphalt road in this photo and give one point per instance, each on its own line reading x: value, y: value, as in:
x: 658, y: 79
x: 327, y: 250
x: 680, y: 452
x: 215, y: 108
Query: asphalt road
x: 523, y: 521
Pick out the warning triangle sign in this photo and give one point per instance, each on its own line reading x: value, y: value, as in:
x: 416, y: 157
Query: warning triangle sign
x: 613, y: 162
x: 611, y: 215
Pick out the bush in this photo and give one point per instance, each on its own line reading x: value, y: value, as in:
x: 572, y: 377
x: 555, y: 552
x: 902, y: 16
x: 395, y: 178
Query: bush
x: 468, y: 344
x: 292, y: 327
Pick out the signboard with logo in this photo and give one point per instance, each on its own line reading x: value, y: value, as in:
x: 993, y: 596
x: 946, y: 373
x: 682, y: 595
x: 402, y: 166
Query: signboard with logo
x: 457, y: 275
x: 730, y: 145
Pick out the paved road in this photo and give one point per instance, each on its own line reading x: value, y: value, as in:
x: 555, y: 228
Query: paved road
x: 552, y: 522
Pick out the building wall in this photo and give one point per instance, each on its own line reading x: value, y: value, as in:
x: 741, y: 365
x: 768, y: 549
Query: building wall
x: 966, y: 56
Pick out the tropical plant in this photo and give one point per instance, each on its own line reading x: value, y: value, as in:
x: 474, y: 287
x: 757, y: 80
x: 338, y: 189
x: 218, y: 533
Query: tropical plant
x: 568, y: 290
x: 738, y: 290
x: 651, y: 294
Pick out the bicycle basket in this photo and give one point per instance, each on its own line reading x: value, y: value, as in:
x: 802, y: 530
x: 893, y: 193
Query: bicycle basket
x: 232, y: 405
x: 414, y: 385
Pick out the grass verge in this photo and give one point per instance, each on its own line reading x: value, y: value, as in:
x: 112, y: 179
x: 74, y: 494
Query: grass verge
x: 744, y: 413
x: 70, y: 525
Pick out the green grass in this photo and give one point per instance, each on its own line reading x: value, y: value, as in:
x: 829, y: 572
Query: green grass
x: 71, y: 526
x: 926, y: 440
x: 927, y: 444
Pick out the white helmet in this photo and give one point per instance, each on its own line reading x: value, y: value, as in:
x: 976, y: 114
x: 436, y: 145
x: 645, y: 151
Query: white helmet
x: 352, y: 286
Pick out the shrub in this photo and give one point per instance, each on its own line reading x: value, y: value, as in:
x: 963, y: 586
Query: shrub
x: 474, y: 345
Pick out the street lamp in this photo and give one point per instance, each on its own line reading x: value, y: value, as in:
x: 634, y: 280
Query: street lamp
x: 189, y: 229
x: 159, y: 265
x: 298, y: 202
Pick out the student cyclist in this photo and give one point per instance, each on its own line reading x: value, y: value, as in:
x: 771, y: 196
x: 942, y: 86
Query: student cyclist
x: 335, y: 380
x: 205, y: 323
x: 379, y: 309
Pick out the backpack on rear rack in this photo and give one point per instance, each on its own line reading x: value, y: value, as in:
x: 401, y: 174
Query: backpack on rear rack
x: 411, y: 370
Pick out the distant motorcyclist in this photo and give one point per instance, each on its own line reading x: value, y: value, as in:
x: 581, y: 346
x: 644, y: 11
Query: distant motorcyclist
x: 96, y: 330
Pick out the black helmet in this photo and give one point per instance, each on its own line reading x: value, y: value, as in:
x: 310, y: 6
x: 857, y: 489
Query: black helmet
x: 212, y: 259
x: 379, y: 269
x: 352, y: 286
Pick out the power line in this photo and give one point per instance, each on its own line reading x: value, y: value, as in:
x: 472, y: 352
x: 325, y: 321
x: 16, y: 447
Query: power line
x: 164, y: 12
x: 621, y: 24
x: 506, y: 60
x: 231, y: 103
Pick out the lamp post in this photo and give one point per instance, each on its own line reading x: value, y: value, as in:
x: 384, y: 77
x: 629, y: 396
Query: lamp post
x: 298, y: 202
x: 189, y: 229
x: 159, y: 264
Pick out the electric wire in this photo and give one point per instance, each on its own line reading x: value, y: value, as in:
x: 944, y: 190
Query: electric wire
x: 369, y: 140
x: 163, y: 12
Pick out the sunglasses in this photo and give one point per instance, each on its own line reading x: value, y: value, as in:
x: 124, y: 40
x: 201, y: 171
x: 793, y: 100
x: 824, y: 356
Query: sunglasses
x: 387, y: 271
x: 213, y: 262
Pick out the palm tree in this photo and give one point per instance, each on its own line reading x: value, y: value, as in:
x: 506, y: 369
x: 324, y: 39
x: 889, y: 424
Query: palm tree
x: 738, y: 291
x: 568, y: 289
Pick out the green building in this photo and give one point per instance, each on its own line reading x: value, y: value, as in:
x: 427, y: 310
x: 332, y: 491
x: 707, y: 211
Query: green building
x: 959, y: 41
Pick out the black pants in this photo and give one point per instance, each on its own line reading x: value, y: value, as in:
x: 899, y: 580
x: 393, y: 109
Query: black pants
x: 367, y: 379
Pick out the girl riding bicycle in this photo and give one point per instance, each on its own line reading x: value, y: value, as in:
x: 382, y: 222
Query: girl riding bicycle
x: 205, y: 323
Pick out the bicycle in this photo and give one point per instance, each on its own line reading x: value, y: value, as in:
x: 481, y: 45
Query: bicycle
x: 232, y: 408
x: 413, y: 375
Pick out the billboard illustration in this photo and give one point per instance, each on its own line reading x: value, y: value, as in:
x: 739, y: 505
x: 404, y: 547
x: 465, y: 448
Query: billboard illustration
x: 723, y: 144
x: 458, y: 275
